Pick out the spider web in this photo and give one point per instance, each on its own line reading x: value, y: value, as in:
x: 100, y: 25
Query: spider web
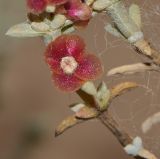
x: 133, y: 108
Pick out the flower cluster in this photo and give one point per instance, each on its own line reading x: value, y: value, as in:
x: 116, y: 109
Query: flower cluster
x: 74, y: 9
x: 70, y: 64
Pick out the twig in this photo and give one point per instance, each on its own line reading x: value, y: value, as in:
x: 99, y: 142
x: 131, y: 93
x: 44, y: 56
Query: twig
x: 73, y: 121
x: 109, y: 122
x: 120, y: 134
x: 123, y: 138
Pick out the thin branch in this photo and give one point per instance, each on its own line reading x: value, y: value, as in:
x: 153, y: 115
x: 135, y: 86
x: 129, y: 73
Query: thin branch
x: 121, y: 135
x: 113, y: 126
x: 109, y: 122
x: 73, y: 121
x: 123, y: 138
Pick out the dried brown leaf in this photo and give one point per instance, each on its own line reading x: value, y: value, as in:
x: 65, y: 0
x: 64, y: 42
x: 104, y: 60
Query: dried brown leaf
x: 66, y: 124
x: 87, y: 113
x: 121, y: 88
x: 133, y: 68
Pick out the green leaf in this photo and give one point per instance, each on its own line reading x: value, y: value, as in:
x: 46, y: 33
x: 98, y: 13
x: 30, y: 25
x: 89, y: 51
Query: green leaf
x: 135, y: 14
x: 110, y: 29
x: 89, y: 88
x: 40, y: 26
x: 50, y: 36
x: 58, y: 21
x: 23, y: 30
x: 100, y: 5
x: 103, y: 95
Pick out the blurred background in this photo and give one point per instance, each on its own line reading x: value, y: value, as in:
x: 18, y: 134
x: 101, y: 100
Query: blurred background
x: 31, y: 108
